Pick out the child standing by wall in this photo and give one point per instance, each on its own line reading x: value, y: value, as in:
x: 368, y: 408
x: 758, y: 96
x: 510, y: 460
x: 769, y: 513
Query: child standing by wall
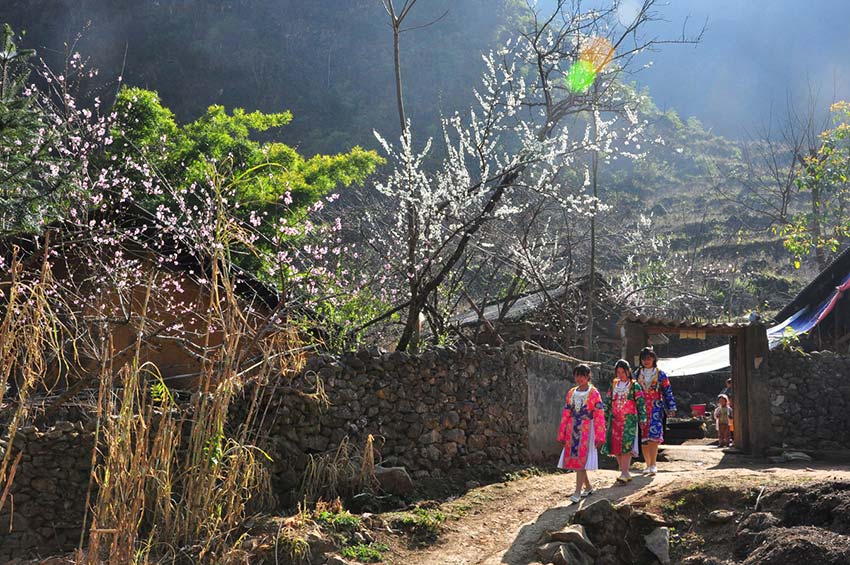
x: 723, y: 419
x: 659, y: 399
x: 582, y: 431
x: 624, y: 409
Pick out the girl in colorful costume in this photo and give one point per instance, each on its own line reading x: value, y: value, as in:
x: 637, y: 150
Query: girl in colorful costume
x: 582, y: 431
x: 624, y: 410
x: 658, y: 395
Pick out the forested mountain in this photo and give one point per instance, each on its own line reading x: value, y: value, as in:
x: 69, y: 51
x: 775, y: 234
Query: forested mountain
x: 329, y: 62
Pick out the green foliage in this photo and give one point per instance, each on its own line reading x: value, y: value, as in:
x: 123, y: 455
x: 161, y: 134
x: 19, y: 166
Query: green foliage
x: 425, y: 524
x: 365, y: 553
x: 11, y: 58
x: 26, y: 136
x: 341, y: 521
x: 264, y: 172
x: 825, y: 175
x: 214, y: 449
x: 160, y: 392
x: 790, y: 341
x: 674, y: 506
x: 143, y: 120
x: 343, y: 312
x: 292, y: 546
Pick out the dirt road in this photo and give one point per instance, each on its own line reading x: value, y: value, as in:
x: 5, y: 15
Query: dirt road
x: 503, y: 523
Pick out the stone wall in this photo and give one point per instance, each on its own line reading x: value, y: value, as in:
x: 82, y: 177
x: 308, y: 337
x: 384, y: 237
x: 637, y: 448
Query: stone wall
x: 442, y: 410
x: 428, y: 413
x: 809, y: 399
x: 46, y: 503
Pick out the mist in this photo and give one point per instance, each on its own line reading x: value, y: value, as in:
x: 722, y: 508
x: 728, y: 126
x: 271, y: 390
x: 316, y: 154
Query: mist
x: 331, y: 62
x: 755, y: 58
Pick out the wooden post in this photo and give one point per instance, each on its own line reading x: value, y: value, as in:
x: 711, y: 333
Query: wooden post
x: 737, y: 363
x: 757, y: 410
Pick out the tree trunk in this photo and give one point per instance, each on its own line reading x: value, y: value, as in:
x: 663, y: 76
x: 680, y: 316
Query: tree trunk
x: 408, y: 338
x: 402, y: 119
x: 820, y: 255
x: 591, y: 286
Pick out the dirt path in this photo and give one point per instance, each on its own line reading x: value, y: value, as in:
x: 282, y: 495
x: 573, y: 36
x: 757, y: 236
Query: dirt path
x: 503, y: 523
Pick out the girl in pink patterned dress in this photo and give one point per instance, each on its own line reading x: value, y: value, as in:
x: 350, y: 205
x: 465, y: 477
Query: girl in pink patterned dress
x: 582, y: 431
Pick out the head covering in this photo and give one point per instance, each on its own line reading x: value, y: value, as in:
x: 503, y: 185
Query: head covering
x: 723, y: 396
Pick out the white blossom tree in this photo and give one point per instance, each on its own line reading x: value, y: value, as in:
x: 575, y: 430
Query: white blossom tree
x: 536, y: 115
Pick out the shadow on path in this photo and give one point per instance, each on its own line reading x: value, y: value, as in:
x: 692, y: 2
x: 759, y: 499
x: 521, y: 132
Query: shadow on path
x: 523, y: 549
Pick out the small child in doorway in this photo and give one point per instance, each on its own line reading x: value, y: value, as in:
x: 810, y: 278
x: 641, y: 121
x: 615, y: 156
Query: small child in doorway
x: 582, y: 431
x: 723, y: 419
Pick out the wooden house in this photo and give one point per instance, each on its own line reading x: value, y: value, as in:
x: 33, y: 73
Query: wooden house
x: 552, y: 318
x: 157, y: 298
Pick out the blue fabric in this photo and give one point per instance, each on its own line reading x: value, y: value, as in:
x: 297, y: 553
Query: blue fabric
x: 578, y: 417
x: 806, y: 318
x: 655, y: 410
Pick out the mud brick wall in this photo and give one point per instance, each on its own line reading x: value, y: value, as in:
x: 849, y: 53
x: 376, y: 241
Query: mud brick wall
x: 48, y: 492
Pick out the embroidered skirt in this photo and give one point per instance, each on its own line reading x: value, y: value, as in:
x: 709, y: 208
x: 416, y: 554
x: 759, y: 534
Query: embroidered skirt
x: 592, y: 461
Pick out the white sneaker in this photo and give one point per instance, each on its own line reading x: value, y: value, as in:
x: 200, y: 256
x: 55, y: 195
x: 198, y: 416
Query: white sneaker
x: 653, y: 469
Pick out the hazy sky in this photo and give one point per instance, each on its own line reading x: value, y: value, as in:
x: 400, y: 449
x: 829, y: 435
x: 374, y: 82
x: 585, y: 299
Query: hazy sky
x: 753, y: 56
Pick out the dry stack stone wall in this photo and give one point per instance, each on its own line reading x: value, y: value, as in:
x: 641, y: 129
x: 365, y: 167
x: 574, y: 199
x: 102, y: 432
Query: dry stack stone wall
x: 444, y: 409
x: 441, y: 410
x: 809, y: 400
x: 46, y: 503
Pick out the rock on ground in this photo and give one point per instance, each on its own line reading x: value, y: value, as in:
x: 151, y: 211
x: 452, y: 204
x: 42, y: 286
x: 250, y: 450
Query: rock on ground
x: 658, y: 542
x: 394, y: 480
x: 720, y: 516
x: 575, y: 534
x: 569, y: 554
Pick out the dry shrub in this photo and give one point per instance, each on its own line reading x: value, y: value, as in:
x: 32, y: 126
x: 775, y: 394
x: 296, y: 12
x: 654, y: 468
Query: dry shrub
x: 28, y: 330
x: 173, y: 485
x: 341, y: 473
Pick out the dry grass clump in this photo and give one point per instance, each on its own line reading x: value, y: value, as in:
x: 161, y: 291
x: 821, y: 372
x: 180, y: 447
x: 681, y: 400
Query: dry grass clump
x: 340, y: 473
x: 170, y: 482
x: 28, y: 330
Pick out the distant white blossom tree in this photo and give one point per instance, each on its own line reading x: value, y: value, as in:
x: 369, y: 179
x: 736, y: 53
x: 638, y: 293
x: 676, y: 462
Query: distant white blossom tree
x: 535, y: 116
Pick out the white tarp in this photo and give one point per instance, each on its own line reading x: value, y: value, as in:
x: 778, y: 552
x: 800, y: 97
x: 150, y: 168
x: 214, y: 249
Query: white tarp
x: 696, y: 363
